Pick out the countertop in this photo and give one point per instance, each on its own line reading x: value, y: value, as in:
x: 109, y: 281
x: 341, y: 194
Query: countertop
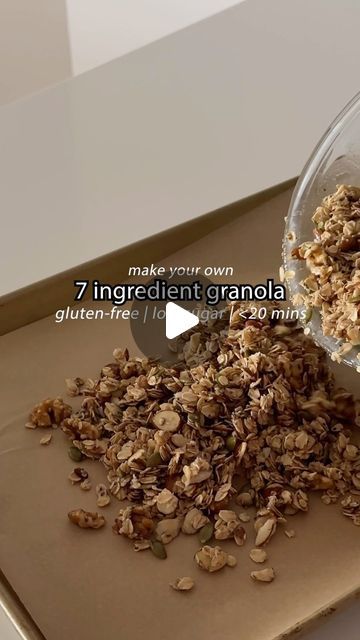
x: 194, y: 121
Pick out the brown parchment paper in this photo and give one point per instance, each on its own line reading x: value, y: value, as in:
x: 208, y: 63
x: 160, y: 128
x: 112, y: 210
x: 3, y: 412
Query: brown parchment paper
x: 91, y: 585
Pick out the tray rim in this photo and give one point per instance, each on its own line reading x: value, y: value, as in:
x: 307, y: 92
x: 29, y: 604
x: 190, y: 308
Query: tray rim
x: 17, y: 613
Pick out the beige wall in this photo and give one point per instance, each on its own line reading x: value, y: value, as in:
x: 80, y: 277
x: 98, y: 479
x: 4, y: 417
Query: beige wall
x: 34, y: 46
x: 207, y: 116
x: 45, y: 41
x: 101, y: 30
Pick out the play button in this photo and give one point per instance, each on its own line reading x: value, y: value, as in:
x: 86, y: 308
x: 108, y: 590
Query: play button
x: 178, y: 320
x: 158, y: 326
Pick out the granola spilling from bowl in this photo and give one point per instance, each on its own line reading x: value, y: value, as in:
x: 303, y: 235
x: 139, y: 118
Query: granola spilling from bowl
x: 249, y: 418
x: 333, y: 259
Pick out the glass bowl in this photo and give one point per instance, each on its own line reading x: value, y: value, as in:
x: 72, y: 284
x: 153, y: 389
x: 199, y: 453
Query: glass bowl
x: 335, y: 160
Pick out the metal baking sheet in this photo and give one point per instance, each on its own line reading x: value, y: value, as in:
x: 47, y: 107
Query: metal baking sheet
x: 91, y: 584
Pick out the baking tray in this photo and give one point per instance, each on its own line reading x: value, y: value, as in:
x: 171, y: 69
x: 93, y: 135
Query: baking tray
x: 59, y: 581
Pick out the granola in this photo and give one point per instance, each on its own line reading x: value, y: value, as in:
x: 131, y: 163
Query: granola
x: 333, y: 259
x: 194, y: 521
x: 226, y: 524
x: 211, y: 558
x: 250, y: 419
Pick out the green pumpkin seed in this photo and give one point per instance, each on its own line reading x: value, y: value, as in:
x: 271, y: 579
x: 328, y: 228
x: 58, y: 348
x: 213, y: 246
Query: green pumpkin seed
x: 308, y: 314
x: 154, y: 460
x: 75, y: 454
x: 206, y: 533
x: 355, y: 299
x: 158, y: 549
x: 230, y: 443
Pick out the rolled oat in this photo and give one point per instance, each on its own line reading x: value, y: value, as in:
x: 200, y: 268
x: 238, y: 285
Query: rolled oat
x: 263, y: 575
x: 183, y: 584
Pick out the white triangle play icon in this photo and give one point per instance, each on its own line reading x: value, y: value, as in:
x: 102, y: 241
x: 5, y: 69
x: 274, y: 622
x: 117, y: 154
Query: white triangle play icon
x: 178, y: 320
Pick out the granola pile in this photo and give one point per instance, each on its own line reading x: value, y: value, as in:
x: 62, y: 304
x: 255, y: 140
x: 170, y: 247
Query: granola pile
x: 250, y: 417
x: 333, y: 259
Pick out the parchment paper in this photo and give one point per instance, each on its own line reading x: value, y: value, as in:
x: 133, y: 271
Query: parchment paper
x: 91, y: 585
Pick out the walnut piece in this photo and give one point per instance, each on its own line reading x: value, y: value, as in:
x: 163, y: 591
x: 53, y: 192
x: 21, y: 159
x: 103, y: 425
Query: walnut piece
x: 86, y: 519
x: 49, y: 412
x: 135, y: 523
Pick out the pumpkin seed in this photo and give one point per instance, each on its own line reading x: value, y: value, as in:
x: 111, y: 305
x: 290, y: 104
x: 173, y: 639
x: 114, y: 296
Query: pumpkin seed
x: 230, y: 443
x: 158, y: 549
x: 75, y: 454
x: 154, y: 460
x: 206, y: 533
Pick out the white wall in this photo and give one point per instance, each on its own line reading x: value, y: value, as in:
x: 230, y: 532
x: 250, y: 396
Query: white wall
x: 222, y: 109
x: 34, y: 47
x: 101, y: 30
x: 38, y: 38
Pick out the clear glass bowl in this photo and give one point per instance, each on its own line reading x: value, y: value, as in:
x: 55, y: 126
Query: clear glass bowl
x: 335, y: 160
